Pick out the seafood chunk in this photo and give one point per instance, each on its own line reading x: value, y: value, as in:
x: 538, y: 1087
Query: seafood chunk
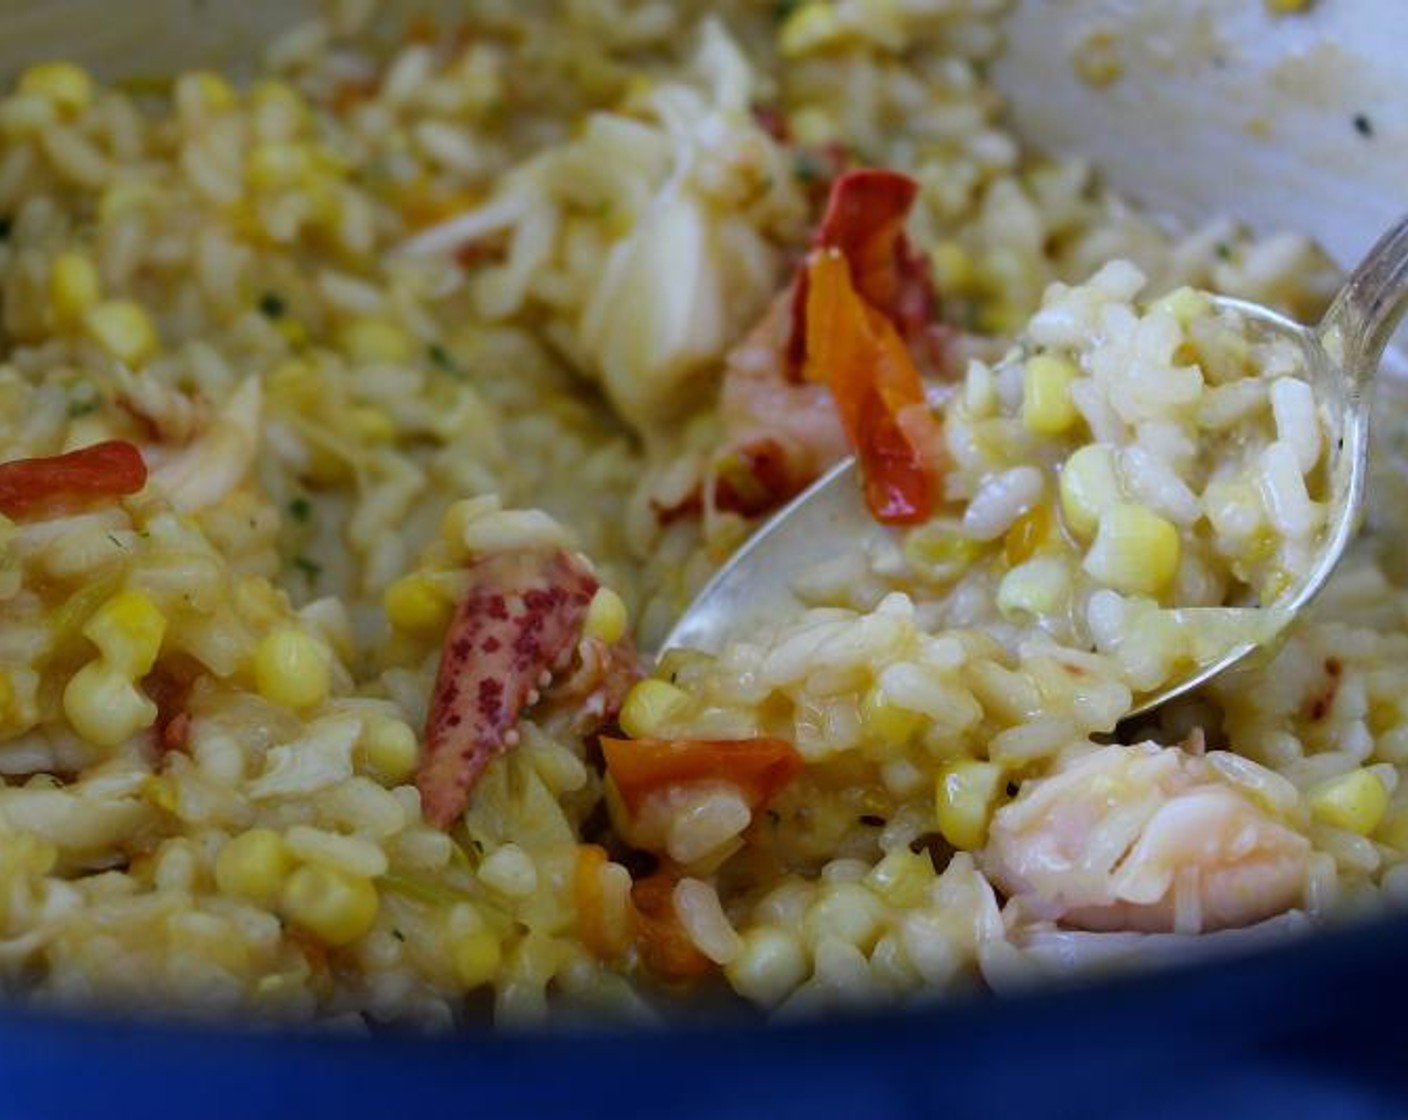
x: 202, y: 473
x: 1144, y: 838
x: 517, y: 625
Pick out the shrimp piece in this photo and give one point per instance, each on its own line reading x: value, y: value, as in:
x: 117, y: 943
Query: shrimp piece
x: 212, y: 465
x: 783, y: 429
x: 1144, y: 838
x: 517, y: 625
x: 761, y: 404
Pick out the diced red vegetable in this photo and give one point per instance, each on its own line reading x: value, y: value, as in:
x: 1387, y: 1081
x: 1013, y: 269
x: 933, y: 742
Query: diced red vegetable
x: 864, y: 221
x: 759, y: 768
x: 879, y: 393
x: 104, y: 470
x: 757, y: 477
x: 587, y: 895
x: 665, y: 946
x: 517, y: 625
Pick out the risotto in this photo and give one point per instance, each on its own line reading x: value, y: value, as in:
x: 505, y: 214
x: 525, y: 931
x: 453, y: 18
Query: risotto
x: 366, y: 422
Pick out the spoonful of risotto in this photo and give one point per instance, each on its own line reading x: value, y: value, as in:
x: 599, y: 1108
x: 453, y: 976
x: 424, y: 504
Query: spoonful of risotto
x: 1165, y: 481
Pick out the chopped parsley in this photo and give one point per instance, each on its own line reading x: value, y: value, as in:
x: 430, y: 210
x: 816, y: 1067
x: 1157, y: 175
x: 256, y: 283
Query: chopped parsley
x: 1223, y: 251
x: 311, y: 569
x: 6, y: 225
x: 784, y: 8
x: 272, y: 305
x: 81, y: 406
x: 807, y: 168
x: 441, y: 359
x: 1363, y: 125
x: 301, y: 510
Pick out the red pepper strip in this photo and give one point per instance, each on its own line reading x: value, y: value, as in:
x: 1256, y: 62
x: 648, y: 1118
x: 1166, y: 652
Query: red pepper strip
x: 878, y: 392
x: 104, y: 470
x: 518, y: 623
x: 758, y: 767
x: 864, y: 220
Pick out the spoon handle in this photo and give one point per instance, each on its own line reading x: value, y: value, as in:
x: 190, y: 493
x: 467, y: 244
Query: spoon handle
x: 1368, y: 309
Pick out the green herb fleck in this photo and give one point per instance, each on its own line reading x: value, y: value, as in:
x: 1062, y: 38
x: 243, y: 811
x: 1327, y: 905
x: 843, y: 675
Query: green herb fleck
x: 441, y: 359
x: 784, y: 8
x: 6, y: 225
x: 301, y: 510
x: 311, y: 569
x: 1223, y: 251
x: 272, y: 305
x: 806, y: 167
x: 1363, y: 125
x: 81, y: 407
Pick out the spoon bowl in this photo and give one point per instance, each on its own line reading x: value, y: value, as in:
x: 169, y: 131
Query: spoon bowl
x: 1340, y: 356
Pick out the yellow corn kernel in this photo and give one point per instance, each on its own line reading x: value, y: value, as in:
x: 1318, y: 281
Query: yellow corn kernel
x: 1089, y: 485
x: 967, y: 791
x: 939, y: 553
x: 66, y: 85
x: 1185, y: 304
x: 74, y: 286
x: 902, y: 877
x: 372, y: 424
x: 1136, y: 551
x: 1288, y: 7
x: 293, y: 331
x: 296, y: 382
x: 886, y: 721
x: 811, y: 27
x: 159, y: 791
x: 1047, y: 408
x: 292, y: 669
x: 770, y: 965
x: 812, y: 127
x: 276, y: 166
x: 334, y: 906
x: 215, y: 92
x: 123, y: 329
x: 128, y: 630
x: 1394, y: 831
x: 417, y: 605
x: 1033, y: 532
x: 375, y: 340
x: 1041, y: 586
x: 606, y: 617
x: 273, y: 91
x: 25, y: 115
x: 650, y: 706
x: 953, y: 267
x: 390, y: 748
x: 254, y: 865
x: 123, y: 196
x: 104, y: 707
x: 476, y: 957
x: 1356, y: 801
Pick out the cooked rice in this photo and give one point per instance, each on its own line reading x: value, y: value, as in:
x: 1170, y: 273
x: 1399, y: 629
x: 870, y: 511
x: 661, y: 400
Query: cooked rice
x: 419, y: 295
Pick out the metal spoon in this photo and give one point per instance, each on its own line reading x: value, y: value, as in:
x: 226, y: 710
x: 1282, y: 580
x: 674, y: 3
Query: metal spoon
x: 1341, y: 356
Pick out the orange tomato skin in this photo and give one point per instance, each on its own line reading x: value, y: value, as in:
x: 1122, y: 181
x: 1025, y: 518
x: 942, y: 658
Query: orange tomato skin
x: 757, y: 767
